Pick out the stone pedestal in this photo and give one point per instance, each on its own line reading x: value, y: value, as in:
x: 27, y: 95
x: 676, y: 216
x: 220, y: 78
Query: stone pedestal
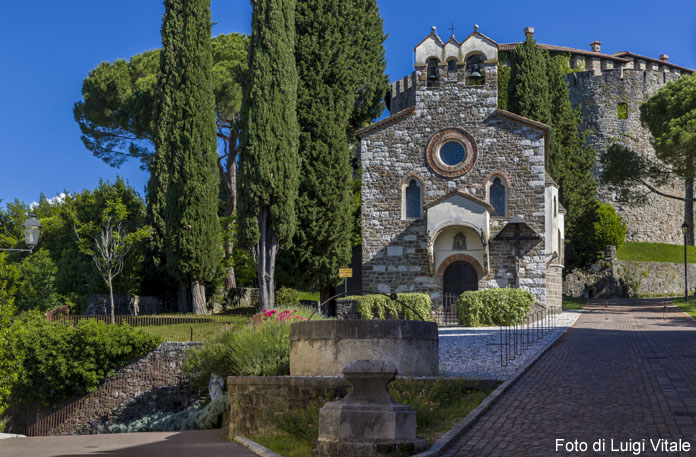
x: 368, y: 422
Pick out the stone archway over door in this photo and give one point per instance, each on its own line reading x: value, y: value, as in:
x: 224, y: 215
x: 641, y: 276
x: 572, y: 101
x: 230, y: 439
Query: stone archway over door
x: 458, y: 278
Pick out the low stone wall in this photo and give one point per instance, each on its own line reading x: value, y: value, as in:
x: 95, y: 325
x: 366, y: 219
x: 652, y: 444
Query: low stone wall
x: 617, y: 278
x: 653, y: 278
x: 255, y: 400
x: 323, y: 348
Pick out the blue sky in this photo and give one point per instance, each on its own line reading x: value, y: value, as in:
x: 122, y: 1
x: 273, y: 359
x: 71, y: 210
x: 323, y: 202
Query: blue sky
x: 49, y: 47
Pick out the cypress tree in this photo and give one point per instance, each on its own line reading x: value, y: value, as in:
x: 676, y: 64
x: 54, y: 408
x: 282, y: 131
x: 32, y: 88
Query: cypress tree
x: 537, y: 90
x: 571, y: 164
x: 192, y: 232
x: 340, y: 63
x: 268, y: 162
x: 528, y: 89
x: 167, y: 82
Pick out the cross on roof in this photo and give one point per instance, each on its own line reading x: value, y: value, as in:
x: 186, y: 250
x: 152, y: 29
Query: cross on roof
x: 452, y: 28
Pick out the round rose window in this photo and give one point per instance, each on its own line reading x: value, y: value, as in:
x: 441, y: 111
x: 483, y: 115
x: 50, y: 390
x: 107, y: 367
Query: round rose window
x: 451, y: 152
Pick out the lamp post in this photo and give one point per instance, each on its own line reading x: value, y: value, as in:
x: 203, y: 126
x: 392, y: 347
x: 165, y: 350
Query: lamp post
x: 32, y: 229
x: 685, y: 228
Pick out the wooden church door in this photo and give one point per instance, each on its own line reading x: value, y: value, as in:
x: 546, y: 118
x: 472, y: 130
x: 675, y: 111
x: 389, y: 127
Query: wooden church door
x: 458, y: 278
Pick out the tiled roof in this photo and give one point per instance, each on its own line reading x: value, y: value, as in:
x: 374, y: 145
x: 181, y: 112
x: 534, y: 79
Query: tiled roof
x: 625, y: 54
x: 619, y: 56
x: 511, y: 46
x: 385, y: 122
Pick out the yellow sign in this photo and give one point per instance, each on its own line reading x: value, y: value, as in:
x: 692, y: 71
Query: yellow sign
x: 345, y: 272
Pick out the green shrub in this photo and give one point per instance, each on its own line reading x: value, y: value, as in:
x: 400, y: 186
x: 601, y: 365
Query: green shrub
x: 610, y: 229
x: 60, y: 361
x: 264, y: 351
x: 382, y: 307
x: 286, y: 296
x: 494, y: 307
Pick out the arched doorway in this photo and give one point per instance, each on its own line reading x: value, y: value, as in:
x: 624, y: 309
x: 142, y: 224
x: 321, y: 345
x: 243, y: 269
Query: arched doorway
x: 458, y: 278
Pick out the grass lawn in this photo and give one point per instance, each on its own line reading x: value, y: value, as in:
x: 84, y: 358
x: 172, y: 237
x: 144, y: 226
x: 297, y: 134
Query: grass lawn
x: 309, y: 296
x: 439, y: 405
x: 574, y: 303
x: 202, y: 332
x: 656, y: 252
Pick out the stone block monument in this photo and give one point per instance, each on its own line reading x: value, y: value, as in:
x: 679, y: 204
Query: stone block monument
x: 367, y: 422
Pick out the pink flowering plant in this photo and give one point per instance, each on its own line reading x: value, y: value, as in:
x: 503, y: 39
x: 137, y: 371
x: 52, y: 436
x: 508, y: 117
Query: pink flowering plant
x: 283, y: 315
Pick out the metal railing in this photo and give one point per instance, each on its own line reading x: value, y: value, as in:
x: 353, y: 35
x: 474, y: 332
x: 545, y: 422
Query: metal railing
x: 169, y: 328
x: 516, y: 338
x: 447, y: 315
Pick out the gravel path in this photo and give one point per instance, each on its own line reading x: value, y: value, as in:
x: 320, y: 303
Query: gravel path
x: 474, y: 352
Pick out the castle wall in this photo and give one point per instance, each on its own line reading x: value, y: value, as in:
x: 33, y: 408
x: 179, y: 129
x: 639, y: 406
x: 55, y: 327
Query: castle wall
x: 395, y: 251
x: 598, y: 94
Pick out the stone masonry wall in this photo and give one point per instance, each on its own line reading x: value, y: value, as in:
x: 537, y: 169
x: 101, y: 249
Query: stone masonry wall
x: 395, y: 251
x: 150, y: 384
x: 598, y: 96
x: 255, y: 400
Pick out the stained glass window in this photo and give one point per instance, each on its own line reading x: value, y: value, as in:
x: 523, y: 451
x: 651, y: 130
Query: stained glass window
x: 452, y: 153
x: 497, y: 197
x: 413, y: 200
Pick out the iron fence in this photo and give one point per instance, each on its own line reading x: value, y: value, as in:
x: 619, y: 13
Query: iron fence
x: 516, y: 338
x: 447, y: 316
x: 169, y: 328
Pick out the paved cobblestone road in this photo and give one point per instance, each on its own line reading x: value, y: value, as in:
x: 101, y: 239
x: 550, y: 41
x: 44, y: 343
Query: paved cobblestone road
x: 622, y: 374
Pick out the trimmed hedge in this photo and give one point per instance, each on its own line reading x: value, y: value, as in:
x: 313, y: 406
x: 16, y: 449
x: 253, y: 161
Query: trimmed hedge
x: 494, y: 307
x: 382, y: 307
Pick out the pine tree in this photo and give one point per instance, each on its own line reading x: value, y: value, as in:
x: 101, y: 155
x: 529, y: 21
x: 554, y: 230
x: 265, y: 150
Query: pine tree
x: 269, y: 163
x: 189, y: 145
x: 167, y: 81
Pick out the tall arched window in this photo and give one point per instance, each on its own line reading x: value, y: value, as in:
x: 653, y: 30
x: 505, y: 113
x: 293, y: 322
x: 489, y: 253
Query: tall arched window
x: 413, y: 200
x: 497, y: 197
x: 555, y: 206
x: 433, y: 72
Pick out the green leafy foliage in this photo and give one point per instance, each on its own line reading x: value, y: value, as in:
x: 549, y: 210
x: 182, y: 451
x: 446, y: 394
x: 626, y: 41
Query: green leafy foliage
x: 286, y: 296
x: 60, y: 361
x: 10, y: 357
x: 494, y: 307
x: 670, y: 115
x: 36, y: 283
x: 408, y: 306
x: 622, y: 111
x: 610, y: 229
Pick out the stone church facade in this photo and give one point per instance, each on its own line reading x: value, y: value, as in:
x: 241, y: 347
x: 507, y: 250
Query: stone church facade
x: 455, y: 191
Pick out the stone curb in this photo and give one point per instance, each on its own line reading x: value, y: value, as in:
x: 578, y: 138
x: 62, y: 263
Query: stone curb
x: 456, y: 432
x: 682, y: 311
x: 255, y: 447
